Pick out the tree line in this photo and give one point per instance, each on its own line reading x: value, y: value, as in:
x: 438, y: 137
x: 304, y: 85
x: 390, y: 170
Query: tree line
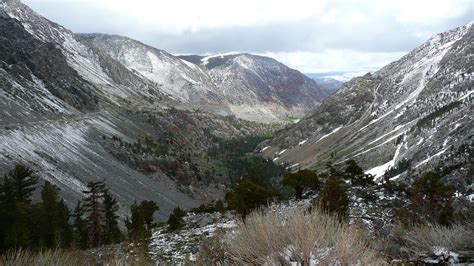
x: 48, y: 223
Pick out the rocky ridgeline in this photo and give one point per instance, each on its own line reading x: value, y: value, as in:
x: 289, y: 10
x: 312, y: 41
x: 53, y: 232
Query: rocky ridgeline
x: 418, y: 108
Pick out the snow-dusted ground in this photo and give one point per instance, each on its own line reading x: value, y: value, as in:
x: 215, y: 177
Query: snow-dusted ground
x: 183, y: 245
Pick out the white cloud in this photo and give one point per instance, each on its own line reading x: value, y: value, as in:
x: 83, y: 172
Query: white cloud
x: 332, y: 60
x: 179, y: 16
x: 309, y: 35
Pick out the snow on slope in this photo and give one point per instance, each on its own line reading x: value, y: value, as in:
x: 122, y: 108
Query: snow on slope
x: 423, y: 98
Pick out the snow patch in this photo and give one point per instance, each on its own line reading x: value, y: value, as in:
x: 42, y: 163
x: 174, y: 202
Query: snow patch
x: 302, y: 142
x: 431, y: 157
x: 327, y: 135
x: 380, y: 170
x: 206, y: 59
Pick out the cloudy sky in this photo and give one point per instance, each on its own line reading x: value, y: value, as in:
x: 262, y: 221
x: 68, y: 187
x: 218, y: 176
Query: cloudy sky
x: 309, y: 35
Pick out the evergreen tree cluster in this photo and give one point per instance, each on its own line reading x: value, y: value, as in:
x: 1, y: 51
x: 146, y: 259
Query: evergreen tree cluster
x: 301, y: 180
x: 249, y: 195
x: 24, y: 224
x: 176, y: 221
x: 95, y: 219
x: 140, y: 224
x: 430, y: 202
x: 49, y: 224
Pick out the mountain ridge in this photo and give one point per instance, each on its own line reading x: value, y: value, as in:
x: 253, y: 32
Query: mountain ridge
x: 377, y: 119
x: 235, y: 81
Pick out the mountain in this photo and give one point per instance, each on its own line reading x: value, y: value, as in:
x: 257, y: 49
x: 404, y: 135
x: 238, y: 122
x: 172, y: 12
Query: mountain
x: 330, y: 84
x: 177, y: 78
x: 248, y: 86
x: 415, y: 113
x: 75, y: 113
x: 246, y: 79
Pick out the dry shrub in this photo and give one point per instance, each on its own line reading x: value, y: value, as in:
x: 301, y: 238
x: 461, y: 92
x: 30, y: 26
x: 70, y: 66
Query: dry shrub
x: 421, y: 239
x: 268, y: 237
x: 262, y: 233
x: 61, y: 257
x: 212, y: 251
x: 50, y: 257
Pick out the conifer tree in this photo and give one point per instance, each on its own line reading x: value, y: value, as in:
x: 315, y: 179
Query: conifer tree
x: 95, y: 213
x: 301, y: 180
x: 357, y: 176
x: 247, y: 196
x: 431, y: 201
x: 140, y: 223
x: 333, y: 198
x: 80, y: 226
x: 112, y: 231
x: 23, y: 182
x: 175, y: 221
x: 17, y: 224
x: 54, y: 228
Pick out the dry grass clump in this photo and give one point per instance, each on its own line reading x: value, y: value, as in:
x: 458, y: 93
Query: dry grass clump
x: 421, y: 239
x: 49, y: 257
x: 266, y: 237
x: 61, y: 257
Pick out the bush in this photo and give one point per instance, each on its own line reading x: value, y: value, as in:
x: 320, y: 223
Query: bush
x: 430, y: 202
x: 175, y: 221
x: 333, y: 199
x: 247, y: 196
x: 301, y: 180
x: 420, y: 240
x: 298, y: 236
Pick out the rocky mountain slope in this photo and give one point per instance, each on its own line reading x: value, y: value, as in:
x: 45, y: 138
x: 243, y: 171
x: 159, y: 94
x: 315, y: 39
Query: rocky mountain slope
x: 248, y: 80
x: 248, y: 86
x: 417, y: 110
x: 330, y: 84
x: 76, y: 114
x: 178, y: 78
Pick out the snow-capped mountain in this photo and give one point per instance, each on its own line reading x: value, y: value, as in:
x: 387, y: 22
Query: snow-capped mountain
x: 122, y: 70
x: 247, y: 79
x: 249, y: 86
x: 417, y: 109
x: 75, y: 113
x: 106, y: 78
x: 178, y: 78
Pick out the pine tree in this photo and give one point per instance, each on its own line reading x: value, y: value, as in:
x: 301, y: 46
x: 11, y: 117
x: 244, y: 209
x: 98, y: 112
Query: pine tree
x: 140, y: 224
x: 333, y: 198
x: 175, y: 221
x: 357, y: 176
x: 247, y: 196
x: 95, y: 213
x: 112, y: 231
x: 54, y: 217
x: 80, y: 226
x: 301, y: 180
x: 431, y: 201
x: 23, y: 181
x: 17, y: 224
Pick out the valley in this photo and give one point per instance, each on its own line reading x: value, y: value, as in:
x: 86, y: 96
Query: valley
x: 181, y: 151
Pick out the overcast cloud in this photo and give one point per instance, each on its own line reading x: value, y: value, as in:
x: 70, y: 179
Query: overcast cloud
x: 309, y: 35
